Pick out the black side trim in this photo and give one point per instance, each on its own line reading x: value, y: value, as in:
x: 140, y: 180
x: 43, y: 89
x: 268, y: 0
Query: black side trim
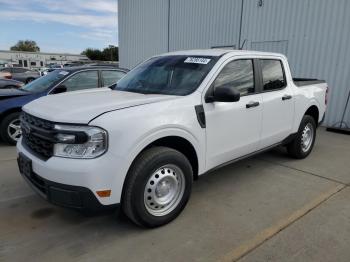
x: 243, y: 157
x: 200, y: 115
x: 284, y: 142
x: 288, y: 139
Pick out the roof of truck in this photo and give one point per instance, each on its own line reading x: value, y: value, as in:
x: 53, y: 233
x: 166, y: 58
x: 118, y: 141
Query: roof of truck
x: 219, y: 52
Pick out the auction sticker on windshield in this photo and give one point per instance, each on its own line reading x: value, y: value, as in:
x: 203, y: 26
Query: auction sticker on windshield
x: 197, y: 60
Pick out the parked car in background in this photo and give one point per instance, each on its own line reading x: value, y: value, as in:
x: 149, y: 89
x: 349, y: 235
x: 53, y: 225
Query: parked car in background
x: 21, y: 74
x: 58, y: 81
x: 10, y: 83
x: 5, y: 75
x: 45, y: 70
x: 169, y: 120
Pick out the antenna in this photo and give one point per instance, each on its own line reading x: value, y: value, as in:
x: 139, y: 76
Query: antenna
x: 241, y: 47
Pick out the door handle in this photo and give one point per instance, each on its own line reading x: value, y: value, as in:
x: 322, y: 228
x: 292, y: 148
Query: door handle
x: 286, y: 97
x: 252, y: 104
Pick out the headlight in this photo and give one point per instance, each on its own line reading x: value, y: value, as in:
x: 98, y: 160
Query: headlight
x: 80, y: 141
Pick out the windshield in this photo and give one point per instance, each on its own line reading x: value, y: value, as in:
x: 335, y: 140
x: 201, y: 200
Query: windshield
x: 43, y: 83
x: 168, y: 75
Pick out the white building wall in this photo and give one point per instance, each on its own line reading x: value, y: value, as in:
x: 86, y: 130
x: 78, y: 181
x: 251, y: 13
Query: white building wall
x: 314, y: 34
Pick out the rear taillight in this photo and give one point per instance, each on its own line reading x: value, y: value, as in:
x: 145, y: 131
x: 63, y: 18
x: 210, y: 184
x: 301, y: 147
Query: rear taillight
x: 326, y: 96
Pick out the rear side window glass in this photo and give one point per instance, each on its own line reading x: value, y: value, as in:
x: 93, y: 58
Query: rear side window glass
x: 273, y: 75
x: 238, y: 74
x: 111, y: 77
x: 82, y: 80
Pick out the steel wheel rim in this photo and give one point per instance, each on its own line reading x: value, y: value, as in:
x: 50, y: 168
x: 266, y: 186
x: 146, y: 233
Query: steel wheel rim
x: 164, y: 190
x: 14, y: 129
x: 307, y: 137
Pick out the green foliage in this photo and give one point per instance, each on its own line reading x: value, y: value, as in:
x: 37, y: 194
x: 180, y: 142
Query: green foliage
x: 109, y: 53
x: 26, y: 45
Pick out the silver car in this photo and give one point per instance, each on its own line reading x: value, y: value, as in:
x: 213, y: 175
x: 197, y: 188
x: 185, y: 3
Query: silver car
x: 21, y: 74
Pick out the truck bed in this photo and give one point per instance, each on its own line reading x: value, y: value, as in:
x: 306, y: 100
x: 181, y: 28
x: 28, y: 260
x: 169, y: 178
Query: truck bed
x: 300, y: 82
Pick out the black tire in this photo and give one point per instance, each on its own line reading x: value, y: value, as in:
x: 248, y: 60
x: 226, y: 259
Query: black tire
x: 4, y: 127
x: 295, y: 148
x: 143, y: 168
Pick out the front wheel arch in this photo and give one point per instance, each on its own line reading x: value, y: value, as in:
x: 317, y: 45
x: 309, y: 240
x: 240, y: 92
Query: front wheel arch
x: 173, y: 142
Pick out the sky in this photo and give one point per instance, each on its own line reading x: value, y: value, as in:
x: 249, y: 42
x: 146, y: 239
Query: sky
x: 64, y: 26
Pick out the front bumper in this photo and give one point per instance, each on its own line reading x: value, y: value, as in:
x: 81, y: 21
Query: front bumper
x: 75, y: 197
x: 75, y: 182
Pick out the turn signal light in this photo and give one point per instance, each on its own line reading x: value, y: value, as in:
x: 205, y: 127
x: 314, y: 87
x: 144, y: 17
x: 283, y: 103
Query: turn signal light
x: 104, y: 193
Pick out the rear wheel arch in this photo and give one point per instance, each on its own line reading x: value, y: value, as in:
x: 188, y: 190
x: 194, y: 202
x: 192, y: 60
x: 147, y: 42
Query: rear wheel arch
x: 313, y: 112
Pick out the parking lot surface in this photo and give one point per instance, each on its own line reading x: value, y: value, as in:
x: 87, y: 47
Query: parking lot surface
x: 267, y: 208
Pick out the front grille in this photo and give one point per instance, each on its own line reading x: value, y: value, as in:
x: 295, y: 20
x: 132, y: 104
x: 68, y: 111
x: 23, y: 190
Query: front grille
x: 37, y: 135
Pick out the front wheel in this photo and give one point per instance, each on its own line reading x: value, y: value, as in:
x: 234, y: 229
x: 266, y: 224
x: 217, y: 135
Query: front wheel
x: 158, y: 187
x: 302, y: 144
x: 10, y: 128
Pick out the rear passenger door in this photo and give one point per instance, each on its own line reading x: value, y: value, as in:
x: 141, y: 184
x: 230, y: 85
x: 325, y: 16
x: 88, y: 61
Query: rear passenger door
x: 277, y: 103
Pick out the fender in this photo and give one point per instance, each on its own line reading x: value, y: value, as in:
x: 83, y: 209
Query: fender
x: 170, y: 130
x: 312, y: 102
x: 142, y: 142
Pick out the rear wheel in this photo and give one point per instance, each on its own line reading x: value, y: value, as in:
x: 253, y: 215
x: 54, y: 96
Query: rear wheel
x: 158, y: 187
x: 10, y: 128
x: 302, y: 144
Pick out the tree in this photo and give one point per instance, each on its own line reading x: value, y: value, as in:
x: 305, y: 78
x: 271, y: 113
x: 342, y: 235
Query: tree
x: 93, y: 54
x: 109, y: 53
x: 26, y: 45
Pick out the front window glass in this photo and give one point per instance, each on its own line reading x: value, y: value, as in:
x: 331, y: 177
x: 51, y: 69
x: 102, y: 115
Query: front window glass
x: 43, y: 83
x: 168, y: 75
x: 238, y: 74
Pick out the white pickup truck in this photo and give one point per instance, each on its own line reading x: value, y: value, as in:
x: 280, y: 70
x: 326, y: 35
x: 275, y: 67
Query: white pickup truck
x: 176, y: 116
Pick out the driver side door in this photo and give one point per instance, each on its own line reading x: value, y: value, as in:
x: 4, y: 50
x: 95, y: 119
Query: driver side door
x: 233, y: 128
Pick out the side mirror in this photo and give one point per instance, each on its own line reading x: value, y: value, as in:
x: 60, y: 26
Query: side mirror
x: 223, y: 94
x: 59, y: 89
x: 112, y: 86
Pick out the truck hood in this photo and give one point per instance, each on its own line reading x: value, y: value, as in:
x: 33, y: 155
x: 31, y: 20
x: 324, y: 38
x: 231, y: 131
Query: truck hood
x: 80, y: 107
